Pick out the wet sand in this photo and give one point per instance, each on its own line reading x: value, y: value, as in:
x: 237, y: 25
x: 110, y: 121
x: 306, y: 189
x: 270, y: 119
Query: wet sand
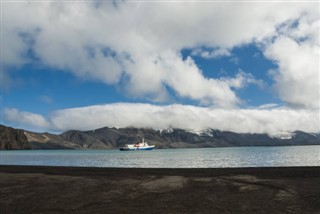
x: 29, y: 189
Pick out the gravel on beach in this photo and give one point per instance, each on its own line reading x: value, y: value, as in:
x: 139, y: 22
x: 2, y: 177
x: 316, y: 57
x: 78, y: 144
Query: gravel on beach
x: 44, y: 189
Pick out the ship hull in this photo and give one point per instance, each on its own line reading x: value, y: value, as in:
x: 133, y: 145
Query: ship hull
x: 136, y: 148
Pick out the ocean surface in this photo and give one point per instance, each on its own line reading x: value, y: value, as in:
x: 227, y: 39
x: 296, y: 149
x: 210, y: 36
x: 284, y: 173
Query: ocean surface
x: 169, y: 158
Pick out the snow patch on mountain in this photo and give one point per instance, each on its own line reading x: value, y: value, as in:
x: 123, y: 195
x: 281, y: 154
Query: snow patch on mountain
x: 282, y: 135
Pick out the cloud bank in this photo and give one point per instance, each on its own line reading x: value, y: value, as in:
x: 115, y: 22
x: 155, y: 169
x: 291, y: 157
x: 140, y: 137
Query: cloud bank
x: 264, y: 120
x: 138, y: 44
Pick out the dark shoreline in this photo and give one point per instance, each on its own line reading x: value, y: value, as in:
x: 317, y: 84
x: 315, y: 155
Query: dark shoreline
x: 44, y: 189
x: 300, y: 171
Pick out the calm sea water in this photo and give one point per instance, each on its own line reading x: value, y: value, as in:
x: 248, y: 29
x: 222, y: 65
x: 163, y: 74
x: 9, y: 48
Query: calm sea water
x: 170, y: 158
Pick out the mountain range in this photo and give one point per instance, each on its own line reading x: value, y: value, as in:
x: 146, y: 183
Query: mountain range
x: 112, y: 138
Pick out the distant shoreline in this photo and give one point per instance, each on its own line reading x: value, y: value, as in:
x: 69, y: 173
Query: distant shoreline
x: 117, y: 149
x: 59, y: 170
x: 44, y: 189
x: 112, y: 138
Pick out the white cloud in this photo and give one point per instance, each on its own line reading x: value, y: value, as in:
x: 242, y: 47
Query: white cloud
x: 119, y: 115
x: 268, y: 106
x: 25, y: 118
x: 296, y: 51
x: 46, y: 99
x: 211, y: 54
x: 297, y: 79
x: 187, y: 81
x: 235, y: 60
x: 122, y: 44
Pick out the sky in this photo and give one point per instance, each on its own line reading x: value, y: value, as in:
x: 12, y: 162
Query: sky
x: 246, y: 66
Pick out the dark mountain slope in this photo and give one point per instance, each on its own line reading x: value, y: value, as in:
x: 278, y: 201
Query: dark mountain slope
x: 49, y: 141
x: 178, y: 138
x: 112, y: 138
x: 11, y: 138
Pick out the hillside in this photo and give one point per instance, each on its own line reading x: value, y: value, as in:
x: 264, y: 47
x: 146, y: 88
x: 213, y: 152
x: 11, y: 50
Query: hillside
x: 49, y: 141
x: 11, y: 138
x: 112, y: 138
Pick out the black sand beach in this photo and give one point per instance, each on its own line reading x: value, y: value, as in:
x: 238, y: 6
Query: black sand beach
x: 30, y: 189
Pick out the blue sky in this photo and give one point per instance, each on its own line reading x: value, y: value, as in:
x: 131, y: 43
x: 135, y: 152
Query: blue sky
x: 83, y: 66
x: 44, y: 90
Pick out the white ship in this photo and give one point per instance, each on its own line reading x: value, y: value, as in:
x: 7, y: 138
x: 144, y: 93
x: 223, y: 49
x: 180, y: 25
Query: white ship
x: 137, y: 146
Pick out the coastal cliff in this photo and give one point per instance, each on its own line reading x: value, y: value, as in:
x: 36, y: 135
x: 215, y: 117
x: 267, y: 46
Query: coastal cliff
x: 11, y: 138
